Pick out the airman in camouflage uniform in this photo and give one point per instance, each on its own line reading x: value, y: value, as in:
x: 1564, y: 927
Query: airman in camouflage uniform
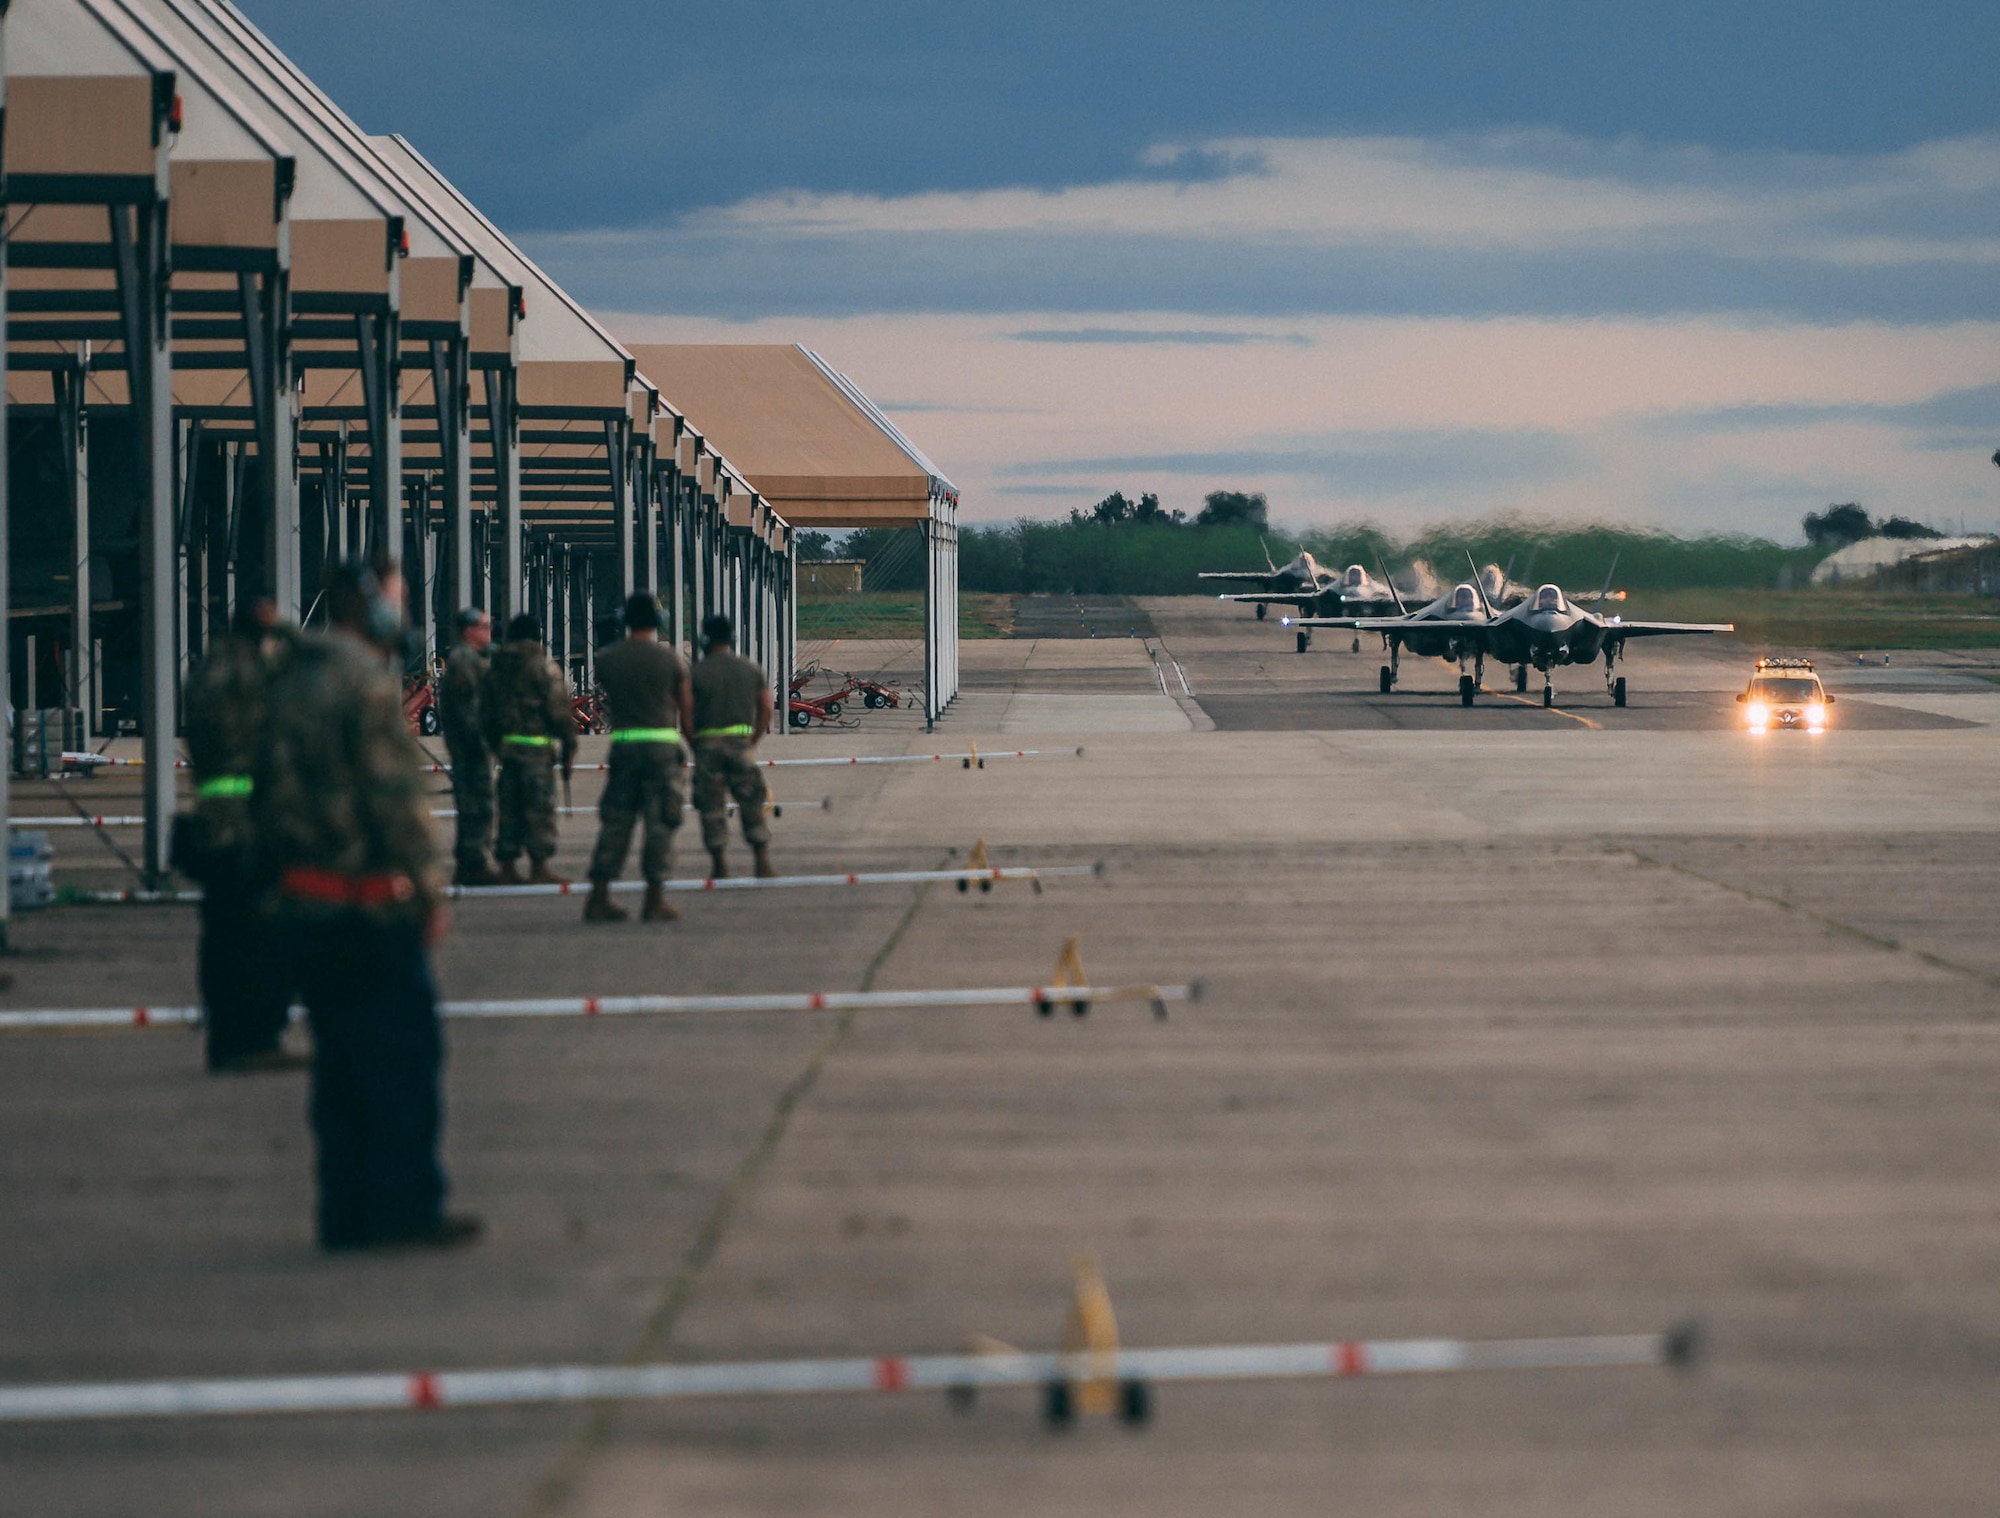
x: 646, y: 684
x: 340, y: 816
x: 524, y: 705
x: 246, y: 992
x: 732, y: 710
x: 465, y: 740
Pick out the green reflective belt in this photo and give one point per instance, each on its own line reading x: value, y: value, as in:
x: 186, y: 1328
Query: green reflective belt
x: 734, y: 730
x: 224, y: 785
x: 645, y: 735
x: 527, y: 740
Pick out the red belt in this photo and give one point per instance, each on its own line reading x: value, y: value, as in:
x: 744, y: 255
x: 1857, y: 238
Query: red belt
x: 339, y: 889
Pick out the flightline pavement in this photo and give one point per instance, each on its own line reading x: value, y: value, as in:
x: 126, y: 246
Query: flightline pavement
x: 1531, y: 1030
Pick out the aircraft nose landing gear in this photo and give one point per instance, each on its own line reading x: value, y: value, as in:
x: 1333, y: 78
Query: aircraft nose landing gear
x: 1548, y: 694
x: 1467, y: 688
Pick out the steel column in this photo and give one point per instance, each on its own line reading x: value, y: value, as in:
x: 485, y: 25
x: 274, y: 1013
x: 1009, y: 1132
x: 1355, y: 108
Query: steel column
x: 74, y: 426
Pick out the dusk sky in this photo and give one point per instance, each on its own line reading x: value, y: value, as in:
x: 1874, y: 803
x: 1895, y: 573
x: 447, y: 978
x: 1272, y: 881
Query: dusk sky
x: 1693, y: 265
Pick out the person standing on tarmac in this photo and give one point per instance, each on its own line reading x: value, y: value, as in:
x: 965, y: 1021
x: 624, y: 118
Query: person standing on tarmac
x: 246, y: 988
x: 465, y: 741
x: 732, y: 711
x: 646, y: 684
x: 342, y: 831
x: 524, y: 706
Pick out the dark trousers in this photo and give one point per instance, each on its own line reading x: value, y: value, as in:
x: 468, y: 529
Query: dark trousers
x: 378, y: 1049
x: 241, y: 967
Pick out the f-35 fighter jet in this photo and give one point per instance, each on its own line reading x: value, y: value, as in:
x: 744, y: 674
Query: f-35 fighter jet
x: 1311, y: 589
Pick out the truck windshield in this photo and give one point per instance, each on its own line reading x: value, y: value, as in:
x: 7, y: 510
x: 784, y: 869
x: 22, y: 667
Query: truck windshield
x: 1785, y: 692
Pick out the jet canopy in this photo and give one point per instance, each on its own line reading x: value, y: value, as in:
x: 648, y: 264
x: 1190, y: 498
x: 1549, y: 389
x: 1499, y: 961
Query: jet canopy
x: 1550, y: 598
x: 1464, y: 598
x: 1355, y: 577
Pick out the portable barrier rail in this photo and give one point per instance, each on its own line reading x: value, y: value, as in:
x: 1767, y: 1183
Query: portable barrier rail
x: 971, y: 758
x: 824, y: 804
x: 983, y: 877
x: 1044, y: 999
x: 956, y: 1375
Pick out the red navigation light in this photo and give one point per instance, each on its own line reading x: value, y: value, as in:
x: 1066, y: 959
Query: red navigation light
x: 174, y: 115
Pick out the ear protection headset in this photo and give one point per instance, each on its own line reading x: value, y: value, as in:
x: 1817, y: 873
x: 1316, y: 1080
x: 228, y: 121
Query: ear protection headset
x: 382, y: 619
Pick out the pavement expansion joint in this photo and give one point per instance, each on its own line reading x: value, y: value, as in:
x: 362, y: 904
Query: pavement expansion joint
x: 554, y: 1491
x: 1833, y: 924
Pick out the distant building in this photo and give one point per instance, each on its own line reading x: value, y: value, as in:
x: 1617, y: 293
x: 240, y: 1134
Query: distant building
x: 820, y: 579
x: 1866, y: 560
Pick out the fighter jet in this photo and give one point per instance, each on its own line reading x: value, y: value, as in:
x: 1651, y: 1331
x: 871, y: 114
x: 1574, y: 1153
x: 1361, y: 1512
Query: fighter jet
x: 1312, y: 590
x: 1452, y: 628
x: 1549, y: 629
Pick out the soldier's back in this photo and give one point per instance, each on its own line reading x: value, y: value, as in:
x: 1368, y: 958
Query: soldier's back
x: 338, y: 778
x: 641, y: 679
x: 726, y: 687
x: 225, y: 708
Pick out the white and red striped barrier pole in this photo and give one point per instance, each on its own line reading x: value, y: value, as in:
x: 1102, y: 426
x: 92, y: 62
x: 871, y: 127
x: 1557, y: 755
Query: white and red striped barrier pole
x: 824, y: 804
x: 1044, y: 999
x: 974, y: 756
x: 964, y: 879
x: 430, y: 1390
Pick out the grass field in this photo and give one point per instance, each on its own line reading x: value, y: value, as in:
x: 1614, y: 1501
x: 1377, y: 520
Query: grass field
x: 1845, y: 619
x: 900, y: 614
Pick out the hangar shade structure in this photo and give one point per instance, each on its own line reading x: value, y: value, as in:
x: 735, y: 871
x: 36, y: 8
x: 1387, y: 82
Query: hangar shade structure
x: 823, y: 455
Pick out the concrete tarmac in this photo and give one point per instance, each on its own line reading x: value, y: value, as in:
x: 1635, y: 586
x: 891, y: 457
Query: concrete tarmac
x: 1517, y: 1027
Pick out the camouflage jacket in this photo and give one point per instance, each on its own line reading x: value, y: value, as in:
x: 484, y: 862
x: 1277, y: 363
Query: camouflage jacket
x: 225, y: 719
x: 525, y: 694
x: 459, y: 703
x: 338, y: 784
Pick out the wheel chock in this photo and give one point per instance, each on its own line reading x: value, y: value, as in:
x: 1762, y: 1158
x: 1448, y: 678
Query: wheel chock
x: 977, y: 860
x: 972, y: 757
x: 1069, y: 972
x: 1090, y: 1356
x: 1681, y: 1346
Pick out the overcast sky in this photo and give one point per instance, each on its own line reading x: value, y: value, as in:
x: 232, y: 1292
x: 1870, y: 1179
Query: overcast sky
x: 1694, y: 265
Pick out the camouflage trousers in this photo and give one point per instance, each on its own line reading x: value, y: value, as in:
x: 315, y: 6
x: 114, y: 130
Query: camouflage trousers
x: 644, y: 786
x: 726, y: 769
x: 472, y: 795
x: 527, y: 806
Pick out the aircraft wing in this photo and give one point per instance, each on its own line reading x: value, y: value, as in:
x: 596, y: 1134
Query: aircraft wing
x: 1664, y: 629
x: 1376, y: 624
x: 1234, y: 574
x: 1271, y: 598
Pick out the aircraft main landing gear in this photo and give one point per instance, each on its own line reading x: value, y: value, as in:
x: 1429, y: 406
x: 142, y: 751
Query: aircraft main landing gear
x: 1357, y: 643
x: 1467, y: 688
x: 1618, y: 691
x: 1262, y: 611
x: 1305, y: 640
x: 1520, y: 677
x: 1388, y: 679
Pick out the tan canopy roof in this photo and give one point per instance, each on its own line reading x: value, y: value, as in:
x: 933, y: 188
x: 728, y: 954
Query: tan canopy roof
x: 806, y: 439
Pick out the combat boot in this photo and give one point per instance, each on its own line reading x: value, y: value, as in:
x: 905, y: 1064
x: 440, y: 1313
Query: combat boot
x: 600, y: 907
x: 764, y: 870
x: 509, y: 872
x: 656, y: 907
x: 718, y: 864
x: 478, y: 874
x: 541, y: 874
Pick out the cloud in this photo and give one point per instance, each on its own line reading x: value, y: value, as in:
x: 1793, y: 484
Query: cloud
x: 1194, y: 337
x: 1377, y: 465
x: 1517, y: 223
